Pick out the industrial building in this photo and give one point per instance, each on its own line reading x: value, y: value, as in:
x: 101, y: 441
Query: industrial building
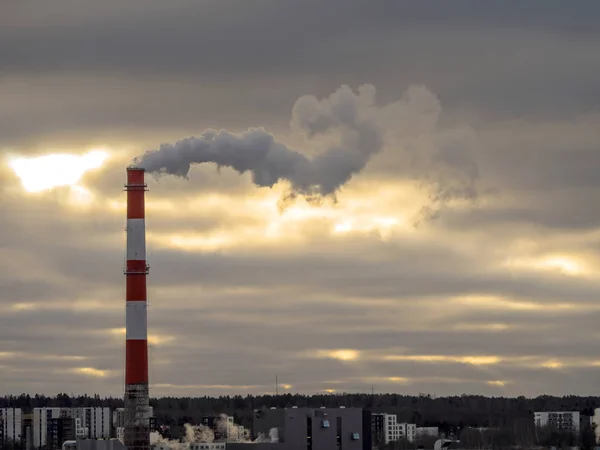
x: 385, y: 428
x: 314, y: 429
x: 427, y: 432
x: 10, y: 425
x: 559, y: 420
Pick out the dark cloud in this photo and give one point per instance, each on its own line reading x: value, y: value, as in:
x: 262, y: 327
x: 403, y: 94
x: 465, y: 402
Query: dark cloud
x: 196, y: 65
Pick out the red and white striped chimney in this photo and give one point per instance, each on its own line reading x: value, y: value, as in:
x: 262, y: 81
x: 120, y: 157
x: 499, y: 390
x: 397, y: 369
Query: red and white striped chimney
x: 137, y: 420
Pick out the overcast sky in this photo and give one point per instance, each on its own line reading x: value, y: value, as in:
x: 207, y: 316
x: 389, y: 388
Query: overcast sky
x: 464, y: 258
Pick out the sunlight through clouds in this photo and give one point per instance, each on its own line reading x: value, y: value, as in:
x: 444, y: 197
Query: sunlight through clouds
x: 565, y: 265
x: 472, y: 360
x: 42, y: 173
x: 340, y: 354
x: 90, y: 372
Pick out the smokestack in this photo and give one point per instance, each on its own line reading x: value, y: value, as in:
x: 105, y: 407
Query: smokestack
x: 137, y: 420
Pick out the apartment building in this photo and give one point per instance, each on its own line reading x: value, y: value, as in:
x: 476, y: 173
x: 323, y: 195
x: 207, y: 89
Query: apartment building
x: 56, y: 424
x: 560, y: 420
x: 10, y: 425
x: 385, y: 428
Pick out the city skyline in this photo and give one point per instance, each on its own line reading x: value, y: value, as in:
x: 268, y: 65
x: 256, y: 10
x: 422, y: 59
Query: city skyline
x: 463, y: 257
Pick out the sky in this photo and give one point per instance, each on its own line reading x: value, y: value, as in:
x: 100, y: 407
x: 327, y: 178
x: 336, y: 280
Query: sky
x: 457, y: 251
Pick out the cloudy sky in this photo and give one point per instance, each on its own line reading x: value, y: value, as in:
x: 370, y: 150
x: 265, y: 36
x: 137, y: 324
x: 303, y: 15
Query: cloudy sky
x: 462, y: 259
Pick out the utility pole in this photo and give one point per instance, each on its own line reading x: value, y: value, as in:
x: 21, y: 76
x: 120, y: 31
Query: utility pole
x: 277, y: 385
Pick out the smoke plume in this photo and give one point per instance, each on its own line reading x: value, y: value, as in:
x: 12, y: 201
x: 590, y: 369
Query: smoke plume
x: 361, y: 128
x: 201, y: 434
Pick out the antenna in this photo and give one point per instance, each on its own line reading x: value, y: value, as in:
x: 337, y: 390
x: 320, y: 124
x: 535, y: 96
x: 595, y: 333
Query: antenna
x: 277, y: 385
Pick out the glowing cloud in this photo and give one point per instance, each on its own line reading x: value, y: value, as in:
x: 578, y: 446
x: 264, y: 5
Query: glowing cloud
x: 90, y: 372
x: 340, y: 354
x: 50, y: 171
x: 397, y: 379
x: 472, y: 360
x: 552, y: 364
x: 565, y: 265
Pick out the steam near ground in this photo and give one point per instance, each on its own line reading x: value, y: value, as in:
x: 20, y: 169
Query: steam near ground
x: 203, y: 434
x: 442, y: 161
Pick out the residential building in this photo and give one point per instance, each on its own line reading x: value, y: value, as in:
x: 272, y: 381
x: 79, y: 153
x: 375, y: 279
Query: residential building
x: 563, y: 420
x: 313, y: 429
x: 50, y: 425
x: 94, y: 422
x: 42, y: 425
x: 409, y: 430
x: 10, y: 425
x: 60, y: 430
x: 385, y: 428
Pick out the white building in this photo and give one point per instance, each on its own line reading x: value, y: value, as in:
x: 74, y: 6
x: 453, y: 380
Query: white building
x: 10, y: 425
x: 394, y: 430
x: 41, y: 423
x: 92, y: 423
x: 560, y: 420
x: 427, y: 432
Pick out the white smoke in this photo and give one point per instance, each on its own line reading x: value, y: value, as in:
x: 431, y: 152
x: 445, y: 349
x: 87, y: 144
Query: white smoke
x: 201, y: 434
x: 231, y: 431
x: 444, y: 163
x: 272, y: 438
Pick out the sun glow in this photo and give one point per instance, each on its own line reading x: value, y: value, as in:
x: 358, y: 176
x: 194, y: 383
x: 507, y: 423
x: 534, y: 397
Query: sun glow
x: 50, y: 171
x: 340, y: 354
x: 556, y: 263
x: 90, y: 372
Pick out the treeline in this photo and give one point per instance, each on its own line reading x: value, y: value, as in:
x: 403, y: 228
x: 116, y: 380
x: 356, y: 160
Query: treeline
x: 521, y: 435
x: 450, y: 414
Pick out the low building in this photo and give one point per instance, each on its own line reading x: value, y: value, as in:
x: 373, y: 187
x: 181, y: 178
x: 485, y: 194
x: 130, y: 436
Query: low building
x: 95, y: 444
x: 208, y: 446
x: 427, y: 432
x: 10, y: 425
x: 559, y: 420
